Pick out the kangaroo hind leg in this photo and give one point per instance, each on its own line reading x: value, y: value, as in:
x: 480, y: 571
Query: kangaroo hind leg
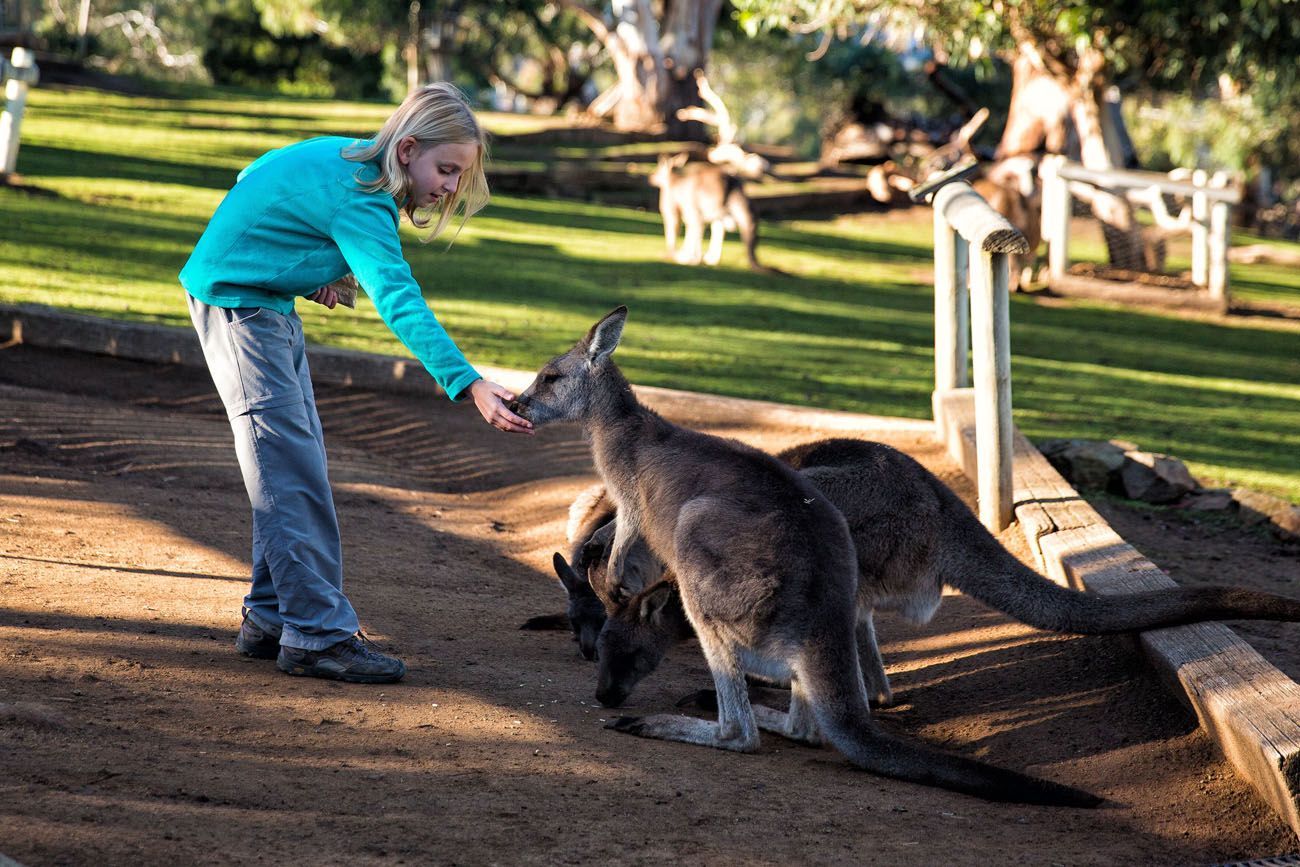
x: 736, y: 728
x: 873, y: 666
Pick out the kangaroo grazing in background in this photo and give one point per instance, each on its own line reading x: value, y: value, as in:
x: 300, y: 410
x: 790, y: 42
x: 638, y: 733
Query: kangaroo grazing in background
x: 912, y: 536
x: 696, y: 194
x: 765, y: 572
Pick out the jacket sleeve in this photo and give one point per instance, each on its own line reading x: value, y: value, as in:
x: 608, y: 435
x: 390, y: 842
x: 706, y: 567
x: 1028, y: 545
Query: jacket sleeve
x: 366, y: 234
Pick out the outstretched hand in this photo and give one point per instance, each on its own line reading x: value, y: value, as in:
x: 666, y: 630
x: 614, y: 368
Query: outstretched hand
x: 490, y: 399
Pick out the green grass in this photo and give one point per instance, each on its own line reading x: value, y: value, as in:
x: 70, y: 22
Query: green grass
x: 131, y: 182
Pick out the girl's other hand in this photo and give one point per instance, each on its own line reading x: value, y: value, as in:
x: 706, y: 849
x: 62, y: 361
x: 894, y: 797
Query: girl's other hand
x: 325, y: 295
x: 490, y: 399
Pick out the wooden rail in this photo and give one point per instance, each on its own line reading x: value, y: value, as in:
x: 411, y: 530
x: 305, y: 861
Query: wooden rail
x: 962, y: 220
x: 1212, y: 200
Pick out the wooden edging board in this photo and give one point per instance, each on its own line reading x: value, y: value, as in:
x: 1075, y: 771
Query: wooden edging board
x: 1249, y: 707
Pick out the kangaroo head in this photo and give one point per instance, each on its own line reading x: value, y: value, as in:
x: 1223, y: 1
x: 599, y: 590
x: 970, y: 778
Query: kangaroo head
x: 635, y: 639
x: 663, y: 173
x: 586, y: 612
x: 564, y: 388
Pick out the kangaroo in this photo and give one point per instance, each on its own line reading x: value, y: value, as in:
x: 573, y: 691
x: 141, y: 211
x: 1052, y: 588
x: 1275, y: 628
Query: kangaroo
x: 766, y: 576
x: 697, y: 193
x: 590, y: 533
x: 912, y: 537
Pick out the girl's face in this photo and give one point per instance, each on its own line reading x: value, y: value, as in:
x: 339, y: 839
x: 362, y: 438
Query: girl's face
x: 434, y: 170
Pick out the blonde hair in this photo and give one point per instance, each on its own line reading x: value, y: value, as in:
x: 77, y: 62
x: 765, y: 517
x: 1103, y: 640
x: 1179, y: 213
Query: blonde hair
x: 435, y: 114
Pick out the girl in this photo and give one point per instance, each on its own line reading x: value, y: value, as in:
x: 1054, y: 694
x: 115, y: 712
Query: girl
x: 297, y: 219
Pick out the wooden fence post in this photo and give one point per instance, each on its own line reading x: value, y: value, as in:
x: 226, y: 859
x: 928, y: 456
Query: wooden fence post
x: 1218, y: 244
x: 16, y: 74
x: 991, y: 351
x: 1057, y: 209
x: 1200, y: 231
x: 951, y: 311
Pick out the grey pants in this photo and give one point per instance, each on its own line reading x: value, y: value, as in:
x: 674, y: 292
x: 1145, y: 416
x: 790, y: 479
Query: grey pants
x: 258, y: 361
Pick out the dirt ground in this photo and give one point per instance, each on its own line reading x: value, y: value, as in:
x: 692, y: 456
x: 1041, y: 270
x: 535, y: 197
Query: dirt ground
x: 131, y: 732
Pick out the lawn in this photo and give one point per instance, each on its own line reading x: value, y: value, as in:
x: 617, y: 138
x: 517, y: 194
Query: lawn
x: 126, y: 184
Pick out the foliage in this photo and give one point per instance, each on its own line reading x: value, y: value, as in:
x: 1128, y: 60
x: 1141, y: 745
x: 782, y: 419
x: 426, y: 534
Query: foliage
x: 134, y: 180
x: 241, y: 52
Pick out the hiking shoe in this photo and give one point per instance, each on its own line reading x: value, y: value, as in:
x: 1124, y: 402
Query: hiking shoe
x: 255, y: 641
x: 354, y: 660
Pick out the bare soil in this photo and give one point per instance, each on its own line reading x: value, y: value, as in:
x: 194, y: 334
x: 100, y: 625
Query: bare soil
x: 132, y: 733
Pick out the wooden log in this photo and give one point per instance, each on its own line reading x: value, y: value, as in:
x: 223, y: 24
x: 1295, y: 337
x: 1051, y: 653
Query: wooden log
x: 977, y: 222
x: 991, y: 351
x: 1079, y: 286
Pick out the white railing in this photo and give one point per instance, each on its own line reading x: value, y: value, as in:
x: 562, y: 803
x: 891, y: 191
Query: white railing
x: 16, y: 73
x: 979, y: 318
x: 1207, y: 220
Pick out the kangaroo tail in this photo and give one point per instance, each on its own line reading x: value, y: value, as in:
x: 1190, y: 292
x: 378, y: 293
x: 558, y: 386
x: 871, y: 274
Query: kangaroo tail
x: 982, y: 568
x: 842, y: 714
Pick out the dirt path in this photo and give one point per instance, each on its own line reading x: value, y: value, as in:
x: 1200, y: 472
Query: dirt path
x: 130, y: 731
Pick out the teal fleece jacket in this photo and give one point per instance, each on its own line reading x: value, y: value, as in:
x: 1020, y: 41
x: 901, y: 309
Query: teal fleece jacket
x: 296, y: 220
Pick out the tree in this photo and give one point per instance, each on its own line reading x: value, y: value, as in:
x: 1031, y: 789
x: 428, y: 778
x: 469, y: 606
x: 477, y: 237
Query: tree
x: 1067, y: 56
x: 656, y: 48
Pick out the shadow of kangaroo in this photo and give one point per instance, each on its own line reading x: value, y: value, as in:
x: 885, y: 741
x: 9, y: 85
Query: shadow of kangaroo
x: 765, y: 572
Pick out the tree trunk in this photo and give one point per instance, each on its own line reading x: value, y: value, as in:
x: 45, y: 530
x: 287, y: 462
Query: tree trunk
x: 656, y: 65
x: 1068, y: 114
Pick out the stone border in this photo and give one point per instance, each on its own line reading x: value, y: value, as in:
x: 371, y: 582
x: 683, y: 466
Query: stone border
x: 1249, y: 707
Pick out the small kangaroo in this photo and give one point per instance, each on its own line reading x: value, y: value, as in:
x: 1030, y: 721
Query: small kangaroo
x: 765, y: 571
x: 698, y: 193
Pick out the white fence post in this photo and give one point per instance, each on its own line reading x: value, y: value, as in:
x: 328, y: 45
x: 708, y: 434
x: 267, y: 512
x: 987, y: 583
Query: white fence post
x: 17, y: 74
x: 1200, y: 231
x: 991, y: 350
x: 951, y: 311
x: 1218, y: 242
x: 1057, y: 209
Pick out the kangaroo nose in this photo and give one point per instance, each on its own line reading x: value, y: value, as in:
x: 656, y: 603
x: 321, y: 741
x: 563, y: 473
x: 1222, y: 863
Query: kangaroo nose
x: 610, y: 697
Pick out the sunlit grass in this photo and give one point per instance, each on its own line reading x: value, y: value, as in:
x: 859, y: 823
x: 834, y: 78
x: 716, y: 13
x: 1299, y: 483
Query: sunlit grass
x: 131, y: 181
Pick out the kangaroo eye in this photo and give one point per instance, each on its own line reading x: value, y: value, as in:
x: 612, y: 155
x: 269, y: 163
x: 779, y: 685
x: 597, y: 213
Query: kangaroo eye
x: 547, y: 378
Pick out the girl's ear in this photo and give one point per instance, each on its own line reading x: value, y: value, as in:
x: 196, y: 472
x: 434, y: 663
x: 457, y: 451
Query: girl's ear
x: 406, y: 147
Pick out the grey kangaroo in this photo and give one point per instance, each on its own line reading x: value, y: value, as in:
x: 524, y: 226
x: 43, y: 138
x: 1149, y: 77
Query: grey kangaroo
x: 765, y: 572
x: 912, y: 536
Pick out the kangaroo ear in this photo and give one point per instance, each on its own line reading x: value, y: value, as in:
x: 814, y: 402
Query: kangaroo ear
x: 571, y: 580
x: 605, y: 335
x: 655, y: 603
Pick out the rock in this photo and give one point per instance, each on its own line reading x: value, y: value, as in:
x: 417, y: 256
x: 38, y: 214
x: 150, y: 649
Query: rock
x: 1216, y: 500
x: 1155, y: 478
x: 1084, y: 463
x: 1258, y: 508
x: 1095, y: 463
